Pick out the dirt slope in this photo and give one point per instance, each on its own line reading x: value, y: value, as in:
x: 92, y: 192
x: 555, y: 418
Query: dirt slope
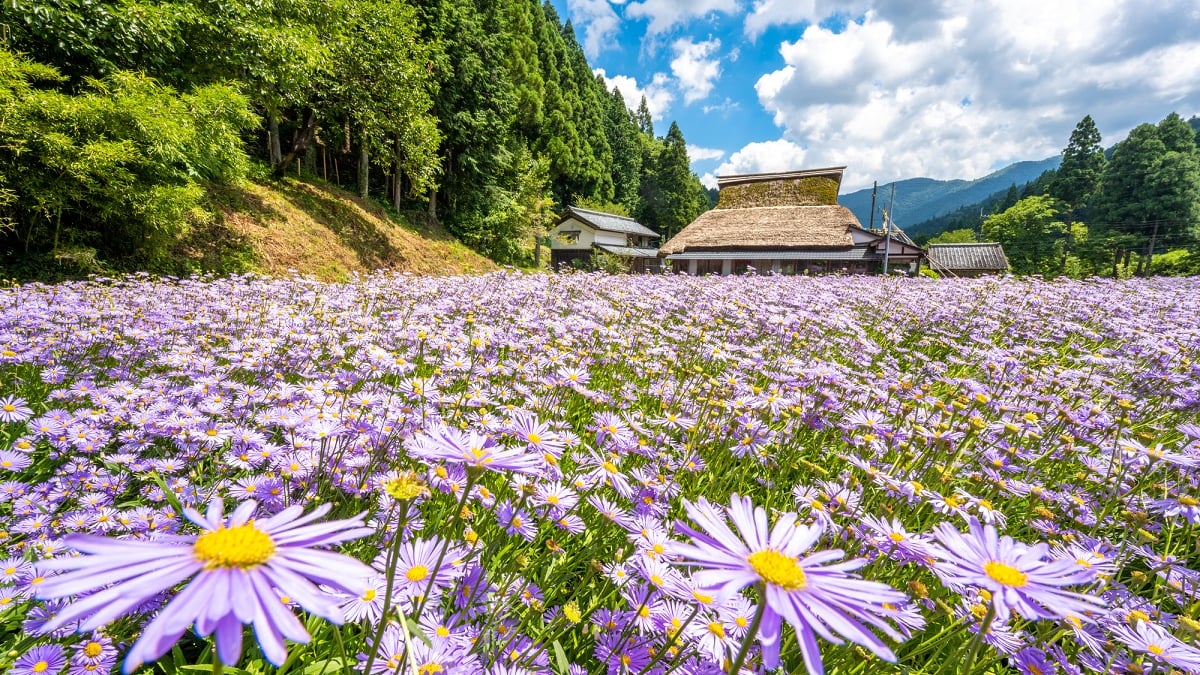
x: 320, y: 230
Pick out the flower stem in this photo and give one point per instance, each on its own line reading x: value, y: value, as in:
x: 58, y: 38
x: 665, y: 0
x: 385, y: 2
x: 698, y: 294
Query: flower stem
x: 984, y: 627
x: 752, y: 632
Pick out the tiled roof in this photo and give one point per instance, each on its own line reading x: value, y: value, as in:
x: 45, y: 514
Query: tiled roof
x: 608, y: 222
x: 967, y: 257
x: 629, y: 251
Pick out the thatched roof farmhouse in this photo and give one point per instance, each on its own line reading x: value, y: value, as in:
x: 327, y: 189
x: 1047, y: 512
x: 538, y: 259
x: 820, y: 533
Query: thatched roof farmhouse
x: 788, y: 223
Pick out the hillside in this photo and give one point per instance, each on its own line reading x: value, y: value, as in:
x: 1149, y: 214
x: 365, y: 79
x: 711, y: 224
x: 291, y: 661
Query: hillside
x: 920, y: 199
x: 320, y: 230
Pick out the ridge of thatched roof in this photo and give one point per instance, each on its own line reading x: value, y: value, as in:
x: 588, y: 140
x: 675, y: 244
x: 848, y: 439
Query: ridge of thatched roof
x: 766, y: 228
x: 834, y: 172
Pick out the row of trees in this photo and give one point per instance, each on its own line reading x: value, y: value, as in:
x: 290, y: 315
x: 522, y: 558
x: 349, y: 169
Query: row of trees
x: 1106, y: 212
x: 114, y: 117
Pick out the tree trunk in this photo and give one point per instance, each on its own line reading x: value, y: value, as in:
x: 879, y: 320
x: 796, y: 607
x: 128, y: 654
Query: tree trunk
x: 364, y: 168
x: 433, y: 204
x: 273, y: 143
x: 399, y: 180
x: 301, y: 141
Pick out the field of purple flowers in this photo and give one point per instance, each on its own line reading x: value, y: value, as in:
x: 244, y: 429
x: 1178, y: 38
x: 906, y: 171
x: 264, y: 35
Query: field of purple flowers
x: 526, y: 474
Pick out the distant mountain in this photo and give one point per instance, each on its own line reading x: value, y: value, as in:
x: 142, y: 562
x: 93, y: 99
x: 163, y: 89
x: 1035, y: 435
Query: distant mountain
x: 920, y: 199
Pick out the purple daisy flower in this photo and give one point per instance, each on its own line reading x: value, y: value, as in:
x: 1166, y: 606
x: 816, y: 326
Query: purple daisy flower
x: 815, y: 598
x: 14, y: 409
x: 235, y: 566
x: 1022, y: 578
x: 41, y: 660
x: 446, y: 444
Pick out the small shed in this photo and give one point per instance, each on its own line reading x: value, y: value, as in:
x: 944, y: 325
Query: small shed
x: 579, y: 233
x: 968, y: 260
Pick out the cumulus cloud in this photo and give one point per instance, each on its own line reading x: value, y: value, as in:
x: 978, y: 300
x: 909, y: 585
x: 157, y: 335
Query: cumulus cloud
x: 767, y: 13
x: 971, y: 85
x: 599, y: 21
x: 699, y: 154
x: 666, y: 14
x: 695, y: 67
x: 767, y: 156
x: 657, y: 92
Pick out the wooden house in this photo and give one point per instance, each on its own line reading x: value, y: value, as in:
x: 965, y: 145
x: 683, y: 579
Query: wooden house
x: 579, y: 233
x: 787, y: 223
x: 967, y: 260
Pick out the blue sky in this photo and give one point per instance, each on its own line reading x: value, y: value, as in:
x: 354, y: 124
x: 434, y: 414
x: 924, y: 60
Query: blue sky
x: 892, y: 88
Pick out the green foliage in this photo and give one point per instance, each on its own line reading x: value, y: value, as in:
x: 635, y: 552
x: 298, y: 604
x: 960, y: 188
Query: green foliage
x: 673, y: 196
x: 960, y: 236
x: 1179, y: 262
x: 119, y: 169
x: 1078, y: 176
x: 1031, y: 234
x: 461, y: 105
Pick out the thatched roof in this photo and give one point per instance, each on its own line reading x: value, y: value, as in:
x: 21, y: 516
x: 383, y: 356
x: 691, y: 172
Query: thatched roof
x: 986, y: 257
x: 766, y: 228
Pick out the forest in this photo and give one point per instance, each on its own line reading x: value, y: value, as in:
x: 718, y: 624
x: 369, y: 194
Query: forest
x: 1131, y: 209
x: 116, y: 118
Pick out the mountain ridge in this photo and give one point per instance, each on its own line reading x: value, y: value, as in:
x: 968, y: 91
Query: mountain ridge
x: 921, y: 199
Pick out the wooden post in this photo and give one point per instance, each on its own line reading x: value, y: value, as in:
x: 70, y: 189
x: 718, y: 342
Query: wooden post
x: 1150, y: 251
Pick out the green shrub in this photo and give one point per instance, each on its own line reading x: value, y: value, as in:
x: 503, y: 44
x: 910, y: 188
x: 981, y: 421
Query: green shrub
x: 119, y: 169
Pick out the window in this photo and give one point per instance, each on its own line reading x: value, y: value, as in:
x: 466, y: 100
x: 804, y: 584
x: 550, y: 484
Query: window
x: 568, y: 237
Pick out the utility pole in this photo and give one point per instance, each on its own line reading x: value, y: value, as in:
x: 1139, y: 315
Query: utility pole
x: 1150, y: 252
x: 874, y: 189
x: 887, y: 228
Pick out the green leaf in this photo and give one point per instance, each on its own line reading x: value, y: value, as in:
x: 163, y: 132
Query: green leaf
x: 560, y: 658
x: 324, y: 666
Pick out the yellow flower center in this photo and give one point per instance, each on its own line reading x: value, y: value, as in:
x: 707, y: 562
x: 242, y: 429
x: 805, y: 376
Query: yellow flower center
x: 716, y: 629
x: 369, y: 595
x: 610, y: 467
x: 442, y: 632
x: 572, y: 613
x: 779, y: 569
x: 896, y: 537
x: 1005, y: 575
x: 1155, y: 650
x: 8, y: 407
x: 243, y: 546
x: 1188, y: 501
x: 405, y: 487
x: 430, y: 668
x: 92, y: 649
x: 41, y: 667
x: 534, y: 438
x: 417, y: 573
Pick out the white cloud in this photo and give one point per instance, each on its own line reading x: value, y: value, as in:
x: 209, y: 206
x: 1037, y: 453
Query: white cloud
x: 599, y: 21
x: 724, y: 107
x: 657, y: 92
x: 666, y: 14
x: 767, y: 156
x: 695, y: 68
x: 699, y: 154
x: 768, y: 13
x: 969, y: 85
